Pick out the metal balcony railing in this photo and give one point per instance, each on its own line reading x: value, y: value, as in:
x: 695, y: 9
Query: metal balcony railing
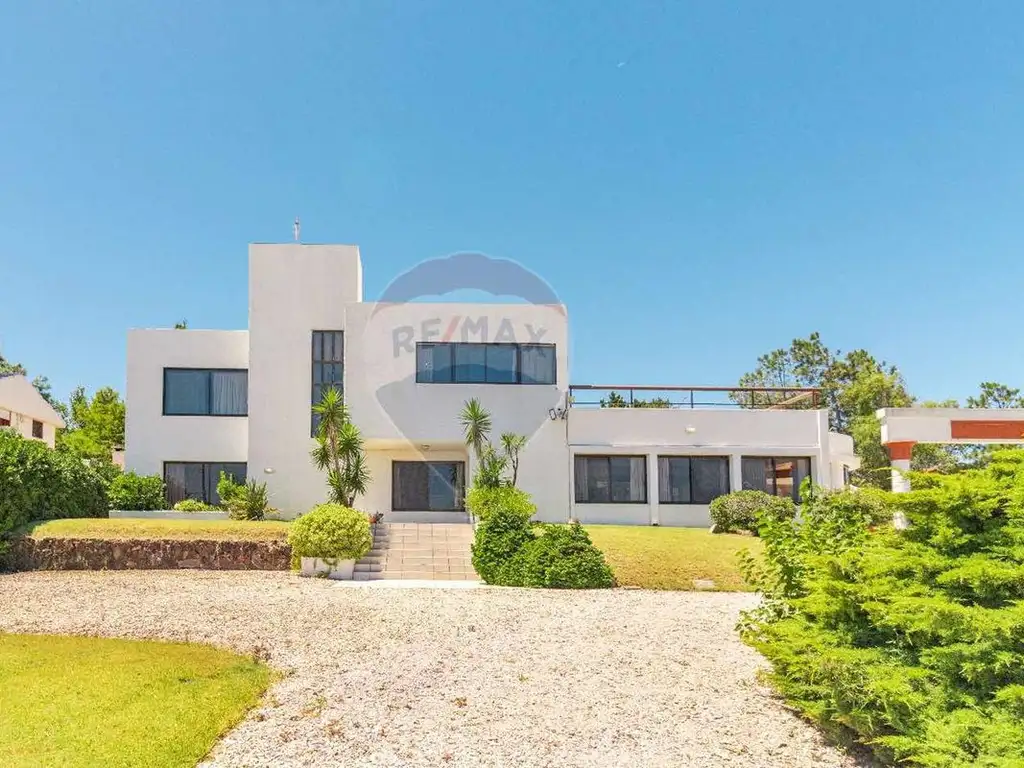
x: 653, y: 396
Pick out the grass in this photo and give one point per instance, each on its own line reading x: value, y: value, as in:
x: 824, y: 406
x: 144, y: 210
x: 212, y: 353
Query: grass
x: 83, y: 701
x: 671, y: 558
x: 138, y: 528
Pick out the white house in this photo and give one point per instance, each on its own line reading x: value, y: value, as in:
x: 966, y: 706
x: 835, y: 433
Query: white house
x: 25, y: 411
x: 200, y: 402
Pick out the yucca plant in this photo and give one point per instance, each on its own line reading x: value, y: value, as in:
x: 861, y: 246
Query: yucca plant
x: 476, y: 426
x: 339, y: 450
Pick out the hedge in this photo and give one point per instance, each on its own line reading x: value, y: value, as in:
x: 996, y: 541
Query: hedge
x: 38, y: 483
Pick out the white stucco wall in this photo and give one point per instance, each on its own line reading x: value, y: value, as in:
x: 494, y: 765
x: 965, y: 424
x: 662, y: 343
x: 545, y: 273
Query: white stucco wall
x: 934, y: 425
x: 152, y: 438
x: 293, y: 290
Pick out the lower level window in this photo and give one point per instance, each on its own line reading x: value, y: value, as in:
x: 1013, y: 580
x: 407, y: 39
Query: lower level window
x: 198, y: 480
x: 611, y: 479
x: 37, y: 429
x: 427, y: 486
x: 692, y: 479
x: 777, y: 476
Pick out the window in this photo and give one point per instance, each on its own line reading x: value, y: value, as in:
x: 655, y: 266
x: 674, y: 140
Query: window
x: 430, y: 486
x: 777, y: 476
x: 37, y: 429
x: 198, y: 480
x: 206, y: 392
x: 328, y: 367
x: 465, y: 363
x: 5, y: 421
x: 611, y: 479
x: 692, y: 479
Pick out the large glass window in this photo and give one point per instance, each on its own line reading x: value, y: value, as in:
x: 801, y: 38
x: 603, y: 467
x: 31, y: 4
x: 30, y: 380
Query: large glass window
x: 206, y: 392
x: 198, y: 480
x: 328, y: 367
x: 692, y: 479
x: 774, y: 475
x: 610, y: 479
x: 427, y: 486
x: 466, y: 363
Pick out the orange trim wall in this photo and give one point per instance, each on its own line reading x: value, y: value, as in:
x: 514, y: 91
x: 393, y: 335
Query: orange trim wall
x: 987, y: 430
x: 898, y: 451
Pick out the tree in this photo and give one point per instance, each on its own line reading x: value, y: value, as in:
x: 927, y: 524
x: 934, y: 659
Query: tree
x: 994, y: 395
x: 491, y: 464
x: 339, y: 450
x: 615, y: 400
x: 181, y: 325
x: 476, y: 425
x: 853, y: 387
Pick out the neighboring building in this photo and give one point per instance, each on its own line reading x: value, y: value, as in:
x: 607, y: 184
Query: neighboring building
x: 200, y: 402
x: 25, y: 411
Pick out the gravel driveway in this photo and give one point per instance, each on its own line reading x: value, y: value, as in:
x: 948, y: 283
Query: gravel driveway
x: 431, y: 677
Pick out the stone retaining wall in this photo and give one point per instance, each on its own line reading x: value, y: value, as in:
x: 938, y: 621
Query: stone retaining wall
x: 146, y: 554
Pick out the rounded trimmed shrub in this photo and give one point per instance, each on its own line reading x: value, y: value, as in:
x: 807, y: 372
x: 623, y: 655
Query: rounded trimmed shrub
x: 482, y: 501
x: 331, y: 532
x: 737, y: 511
x: 561, y: 557
x: 137, y: 492
x: 498, y: 539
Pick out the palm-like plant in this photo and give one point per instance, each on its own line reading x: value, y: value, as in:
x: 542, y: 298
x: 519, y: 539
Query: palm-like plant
x: 512, y: 444
x: 476, y: 425
x: 339, y: 450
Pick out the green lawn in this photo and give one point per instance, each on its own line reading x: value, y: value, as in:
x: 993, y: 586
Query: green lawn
x: 138, y: 528
x: 78, y: 702
x: 671, y: 558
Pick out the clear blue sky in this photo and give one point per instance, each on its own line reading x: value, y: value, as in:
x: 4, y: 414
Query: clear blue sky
x: 700, y: 182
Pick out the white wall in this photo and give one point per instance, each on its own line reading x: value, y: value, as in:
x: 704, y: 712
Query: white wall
x: 152, y: 438
x: 654, y: 432
x: 293, y: 290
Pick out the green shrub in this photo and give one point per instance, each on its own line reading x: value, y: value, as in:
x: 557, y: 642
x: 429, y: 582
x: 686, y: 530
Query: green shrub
x: 137, y: 492
x: 227, y: 489
x: 498, y: 539
x: 249, y: 502
x: 561, y: 557
x: 194, y: 505
x: 37, y: 483
x: 482, y: 501
x: 911, y: 641
x: 330, y: 532
x: 739, y: 510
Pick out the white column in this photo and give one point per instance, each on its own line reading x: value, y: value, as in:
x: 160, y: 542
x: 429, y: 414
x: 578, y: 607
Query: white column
x: 735, y: 472
x: 652, y: 487
x: 900, y: 482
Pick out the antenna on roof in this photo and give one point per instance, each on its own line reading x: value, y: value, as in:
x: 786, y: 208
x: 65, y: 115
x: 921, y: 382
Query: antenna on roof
x: 296, y: 229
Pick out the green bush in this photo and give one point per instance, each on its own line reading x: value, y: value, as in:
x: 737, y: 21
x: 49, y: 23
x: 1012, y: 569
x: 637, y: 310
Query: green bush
x: 560, y: 557
x: 739, y: 510
x: 228, y: 490
x: 137, y: 492
x: 37, y: 483
x: 911, y: 641
x: 482, y: 501
x: 330, y: 532
x: 194, y: 505
x: 498, y: 539
x: 249, y: 501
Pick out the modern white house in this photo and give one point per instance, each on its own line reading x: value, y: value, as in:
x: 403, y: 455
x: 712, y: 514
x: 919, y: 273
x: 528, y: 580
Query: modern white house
x: 25, y: 411
x: 202, y: 401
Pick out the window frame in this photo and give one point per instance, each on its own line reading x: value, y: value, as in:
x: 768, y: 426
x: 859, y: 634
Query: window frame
x: 690, y: 459
x: 518, y: 346
x: 460, y: 492
x: 205, y: 465
x: 314, y: 361
x: 608, y: 457
x: 773, y: 491
x: 209, y: 391
x: 37, y: 433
